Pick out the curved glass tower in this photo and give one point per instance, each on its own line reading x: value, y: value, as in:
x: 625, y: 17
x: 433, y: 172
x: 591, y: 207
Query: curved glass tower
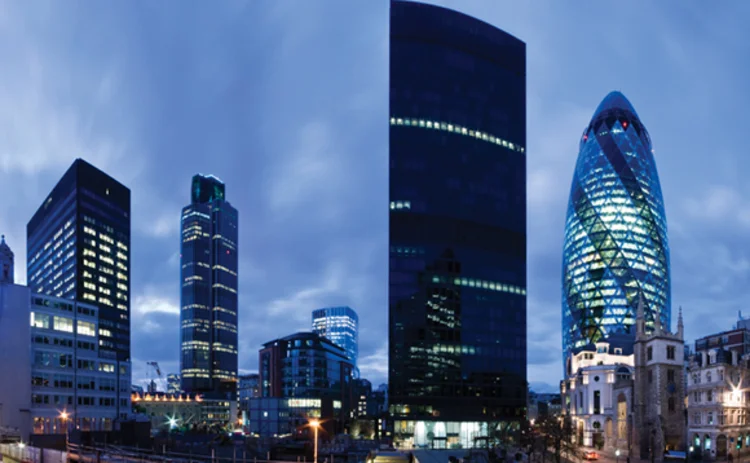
x: 457, y: 231
x: 616, y: 246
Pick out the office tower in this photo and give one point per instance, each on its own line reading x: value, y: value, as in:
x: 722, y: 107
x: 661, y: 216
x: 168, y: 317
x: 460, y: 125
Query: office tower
x: 457, y: 278
x: 304, y: 365
x: 301, y: 375
x: 208, y: 276
x: 15, y: 358
x: 616, y: 246
x: 173, y: 383
x: 248, y: 388
x: 339, y: 325
x: 78, y: 248
x: 72, y: 385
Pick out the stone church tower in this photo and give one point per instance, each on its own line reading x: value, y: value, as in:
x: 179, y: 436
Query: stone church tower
x: 659, y: 395
x: 6, y: 263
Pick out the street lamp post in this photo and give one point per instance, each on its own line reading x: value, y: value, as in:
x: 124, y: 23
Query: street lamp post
x: 64, y: 417
x: 617, y: 456
x: 315, y: 425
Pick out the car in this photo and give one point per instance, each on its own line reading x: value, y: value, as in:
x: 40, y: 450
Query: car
x: 591, y: 456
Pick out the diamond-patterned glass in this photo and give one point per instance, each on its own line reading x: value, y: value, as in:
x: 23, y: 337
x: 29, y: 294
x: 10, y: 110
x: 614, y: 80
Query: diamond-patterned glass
x: 616, y: 244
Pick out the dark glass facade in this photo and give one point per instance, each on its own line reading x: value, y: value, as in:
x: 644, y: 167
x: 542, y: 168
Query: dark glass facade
x: 340, y: 325
x: 208, y: 276
x: 616, y: 246
x: 457, y: 277
x: 78, y: 247
x: 304, y: 365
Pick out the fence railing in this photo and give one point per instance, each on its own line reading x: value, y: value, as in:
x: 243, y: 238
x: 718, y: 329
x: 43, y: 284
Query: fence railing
x: 20, y: 453
x: 25, y: 454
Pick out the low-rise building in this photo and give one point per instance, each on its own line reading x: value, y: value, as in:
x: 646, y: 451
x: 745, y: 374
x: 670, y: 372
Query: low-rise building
x: 285, y: 416
x: 174, y: 383
x: 628, y: 394
x: 60, y: 378
x: 74, y: 384
x: 589, y: 392
x: 189, y: 411
x: 15, y: 384
x: 542, y: 404
x: 719, y: 403
x: 301, y: 366
x: 248, y: 387
x: 169, y: 411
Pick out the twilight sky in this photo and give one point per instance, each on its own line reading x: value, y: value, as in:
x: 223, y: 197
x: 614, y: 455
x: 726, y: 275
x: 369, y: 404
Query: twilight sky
x: 287, y: 102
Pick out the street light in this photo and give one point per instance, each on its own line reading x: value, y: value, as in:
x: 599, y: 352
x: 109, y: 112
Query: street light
x: 315, y: 424
x: 64, y: 417
x: 172, y: 423
x: 617, y: 455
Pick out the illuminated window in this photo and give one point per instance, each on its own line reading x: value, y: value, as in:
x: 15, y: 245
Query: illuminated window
x: 63, y: 324
x: 457, y: 129
x: 400, y: 205
x: 86, y: 328
x: 40, y: 320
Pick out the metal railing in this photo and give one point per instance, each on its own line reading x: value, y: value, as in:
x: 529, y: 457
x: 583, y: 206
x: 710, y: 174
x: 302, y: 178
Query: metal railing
x: 22, y: 453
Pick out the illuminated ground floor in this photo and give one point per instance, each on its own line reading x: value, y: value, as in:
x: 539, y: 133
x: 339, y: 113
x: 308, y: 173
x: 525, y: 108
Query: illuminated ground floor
x: 409, y: 434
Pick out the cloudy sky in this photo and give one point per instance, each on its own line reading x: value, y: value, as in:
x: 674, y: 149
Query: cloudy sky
x: 287, y: 102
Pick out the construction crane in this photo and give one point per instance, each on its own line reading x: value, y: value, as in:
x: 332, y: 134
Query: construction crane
x: 155, y: 366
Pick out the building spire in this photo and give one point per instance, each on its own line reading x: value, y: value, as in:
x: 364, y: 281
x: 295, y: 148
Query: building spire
x: 6, y: 262
x: 680, y: 326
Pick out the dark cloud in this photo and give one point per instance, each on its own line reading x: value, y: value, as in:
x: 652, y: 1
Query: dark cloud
x: 287, y: 103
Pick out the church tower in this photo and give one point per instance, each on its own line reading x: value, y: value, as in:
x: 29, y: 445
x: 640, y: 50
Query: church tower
x: 659, y: 422
x: 6, y: 262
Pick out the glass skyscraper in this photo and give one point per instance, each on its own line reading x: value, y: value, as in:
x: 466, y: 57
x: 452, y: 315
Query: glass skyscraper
x: 616, y: 248
x: 457, y: 236
x: 78, y: 248
x: 208, y: 277
x: 340, y: 326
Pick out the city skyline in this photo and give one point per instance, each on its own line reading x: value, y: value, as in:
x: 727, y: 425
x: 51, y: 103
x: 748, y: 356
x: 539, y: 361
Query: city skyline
x: 308, y: 155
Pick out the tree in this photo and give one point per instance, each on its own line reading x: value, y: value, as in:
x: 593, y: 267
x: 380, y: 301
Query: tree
x: 558, y: 433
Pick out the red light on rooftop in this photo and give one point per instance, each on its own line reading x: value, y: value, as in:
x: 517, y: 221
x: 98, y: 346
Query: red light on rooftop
x: 227, y: 251
x: 624, y: 124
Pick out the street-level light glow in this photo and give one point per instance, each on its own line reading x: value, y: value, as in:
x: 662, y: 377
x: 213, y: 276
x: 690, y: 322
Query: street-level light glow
x: 617, y: 452
x: 314, y: 423
x: 21, y: 445
x: 64, y: 415
x: 172, y: 422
